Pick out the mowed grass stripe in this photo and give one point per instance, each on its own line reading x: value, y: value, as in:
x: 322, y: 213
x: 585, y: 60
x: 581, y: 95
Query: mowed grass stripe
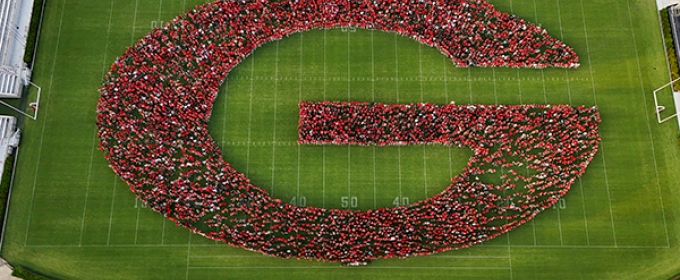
x: 97, y: 215
x: 42, y: 128
x: 615, y: 173
x: 646, y: 101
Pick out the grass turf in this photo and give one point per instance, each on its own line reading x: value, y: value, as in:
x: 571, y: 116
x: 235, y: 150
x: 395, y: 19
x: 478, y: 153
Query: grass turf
x: 71, y: 217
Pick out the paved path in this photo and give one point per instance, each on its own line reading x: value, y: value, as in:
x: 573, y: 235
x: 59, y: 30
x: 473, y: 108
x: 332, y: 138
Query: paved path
x: 6, y: 271
x: 660, y: 4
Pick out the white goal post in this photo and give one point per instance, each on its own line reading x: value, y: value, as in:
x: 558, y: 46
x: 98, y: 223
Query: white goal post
x: 659, y: 108
x: 33, y: 105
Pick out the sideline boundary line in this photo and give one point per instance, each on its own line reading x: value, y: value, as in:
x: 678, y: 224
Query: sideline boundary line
x: 9, y: 196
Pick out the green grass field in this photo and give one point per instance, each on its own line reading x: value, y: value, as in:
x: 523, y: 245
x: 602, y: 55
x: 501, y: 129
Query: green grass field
x: 72, y: 218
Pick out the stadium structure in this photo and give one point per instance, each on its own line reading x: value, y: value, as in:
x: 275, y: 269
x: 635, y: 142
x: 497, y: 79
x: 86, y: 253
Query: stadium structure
x: 14, y: 24
x: 15, y: 74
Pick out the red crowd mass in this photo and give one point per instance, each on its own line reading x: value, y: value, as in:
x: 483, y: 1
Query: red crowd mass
x: 156, y: 102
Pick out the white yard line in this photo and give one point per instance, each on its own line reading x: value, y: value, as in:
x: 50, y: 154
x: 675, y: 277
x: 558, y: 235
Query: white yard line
x: 533, y: 221
x: 226, y: 112
x: 503, y: 195
x: 446, y: 95
x: 372, y: 68
x: 495, y: 90
x: 592, y: 80
x: 545, y: 97
x: 583, y: 203
x: 297, y: 192
x: 425, y: 171
x: 189, y: 255
x: 323, y: 147
x: 519, y: 88
x: 250, y: 113
x: 396, y: 65
x: 94, y: 136
x: 137, y: 222
x: 533, y: 225
x: 446, y: 84
x: 297, y: 187
x: 163, y: 232
x: 132, y: 37
x: 568, y: 86
x: 450, y: 165
x: 375, y: 192
x: 276, y: 89
x: 470, y: 85
x: 545, y: 100
x: 566, y: 71
x: 358, y: 267
x: 160, y: 9
x: 349, y: 147
x: 399, y: 168
x: 649, y: 128
x: 44, y: 121
x: 349, y: 71
x: 559, y: 223
x: 349, y: 173
x: 113, y: 199
x: 509, y: 255
x: 115, y: 179
x: 420, y: 71
x: 396, y: 73
x: 323, y: 177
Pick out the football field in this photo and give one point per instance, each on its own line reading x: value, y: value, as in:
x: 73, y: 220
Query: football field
x: 71, y: 217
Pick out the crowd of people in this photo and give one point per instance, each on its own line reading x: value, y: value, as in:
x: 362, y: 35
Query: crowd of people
x: 157, y: 98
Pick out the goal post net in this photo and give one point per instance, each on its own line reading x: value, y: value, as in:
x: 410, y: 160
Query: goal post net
x: 32, y: 105
x: 664, y: 101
